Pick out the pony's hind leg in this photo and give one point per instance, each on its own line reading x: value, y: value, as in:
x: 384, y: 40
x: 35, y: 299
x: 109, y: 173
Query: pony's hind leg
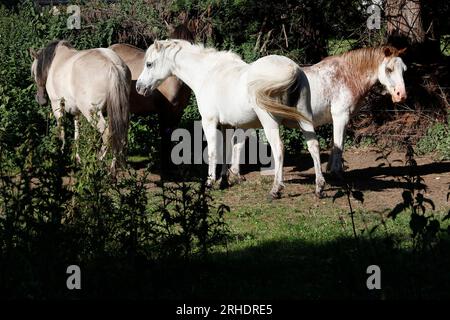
x: 331, y: 157
x: 76, y: 124
x: 313, y: 148
x: 104, y: 131
x: 272, y: 132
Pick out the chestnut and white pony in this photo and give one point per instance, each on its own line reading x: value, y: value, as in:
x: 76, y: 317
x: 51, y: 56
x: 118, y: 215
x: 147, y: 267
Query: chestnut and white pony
x: 86, y: 82
x: 232, y: 92
x: 338, y: 85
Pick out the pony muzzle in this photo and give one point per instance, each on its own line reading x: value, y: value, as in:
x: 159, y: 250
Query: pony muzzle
x: 143, y: 89
x: 399, y: 95
x: 41, y: 99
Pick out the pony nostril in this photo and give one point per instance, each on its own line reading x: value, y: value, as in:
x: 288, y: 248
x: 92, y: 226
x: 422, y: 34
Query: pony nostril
x: 398, y: 93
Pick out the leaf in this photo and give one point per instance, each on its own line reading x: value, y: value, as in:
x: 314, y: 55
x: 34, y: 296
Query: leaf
x: 407, y: 198
x: 398, y: 209
x: 417, y: 223
x: 358, y: 195
x: 430, y: 202
x: 447, y: 217
x: 433, y: 227
x: 373, y: 229
x: 338, y: 195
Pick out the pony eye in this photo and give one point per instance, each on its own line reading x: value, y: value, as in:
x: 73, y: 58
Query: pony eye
x: 389, y: 70
x: 149, y: 64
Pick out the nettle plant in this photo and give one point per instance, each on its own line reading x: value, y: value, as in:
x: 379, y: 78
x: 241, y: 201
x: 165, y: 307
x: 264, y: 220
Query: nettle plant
x: 190, y: 223
x: 424, y: 224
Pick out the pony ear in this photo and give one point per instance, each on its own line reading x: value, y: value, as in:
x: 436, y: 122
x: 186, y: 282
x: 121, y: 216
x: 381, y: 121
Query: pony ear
x: 170, y: 28
x: 401, y: 51
x: 387, y: 52
x: 33, y: 53
x: 158, y: 45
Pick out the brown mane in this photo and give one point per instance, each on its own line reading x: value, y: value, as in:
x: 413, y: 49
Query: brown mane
x: 183, y: 33
x: 367, y: 59
x: 360, y: 64
x: 44, y: 59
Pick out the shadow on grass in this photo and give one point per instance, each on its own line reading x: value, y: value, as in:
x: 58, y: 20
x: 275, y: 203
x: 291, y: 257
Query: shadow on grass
x: 276, y: 269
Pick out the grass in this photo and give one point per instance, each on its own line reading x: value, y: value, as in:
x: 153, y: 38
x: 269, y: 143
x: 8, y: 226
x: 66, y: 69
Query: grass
x: 437, y: 141
x: 138, y: 159
x: 445, y: 44
x: 300, y: 247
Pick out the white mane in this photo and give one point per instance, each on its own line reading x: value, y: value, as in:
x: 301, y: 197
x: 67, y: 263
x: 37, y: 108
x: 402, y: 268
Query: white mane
x: 208, y: 53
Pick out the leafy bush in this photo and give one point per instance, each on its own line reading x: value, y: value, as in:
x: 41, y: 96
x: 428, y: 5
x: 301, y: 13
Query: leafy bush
x: 143, y: 136
x: 52, y: 217
x: 437, y: 140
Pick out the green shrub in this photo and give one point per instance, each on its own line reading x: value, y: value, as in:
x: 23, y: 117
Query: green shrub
x: 437, y: 140
x: 143, y: 136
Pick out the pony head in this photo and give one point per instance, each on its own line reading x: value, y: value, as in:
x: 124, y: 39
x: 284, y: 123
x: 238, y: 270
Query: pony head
x: 42, y: 61
x: 41, y: 94
x: 390, y: 73
x: 156, y: 69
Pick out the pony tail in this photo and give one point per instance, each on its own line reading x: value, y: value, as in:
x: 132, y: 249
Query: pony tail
x: 118, y: 108
x: 274, y: 95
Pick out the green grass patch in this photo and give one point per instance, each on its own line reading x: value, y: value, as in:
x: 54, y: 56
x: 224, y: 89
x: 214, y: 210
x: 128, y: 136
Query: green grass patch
x: 436, y: 141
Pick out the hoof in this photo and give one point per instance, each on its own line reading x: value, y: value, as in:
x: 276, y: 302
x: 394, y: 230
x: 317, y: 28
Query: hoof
x: 320, y: 185
x: 320, y: 194
x: 210, y: 184
x: 273, y: 196
x: 337, y: 175
x: 235, y: 178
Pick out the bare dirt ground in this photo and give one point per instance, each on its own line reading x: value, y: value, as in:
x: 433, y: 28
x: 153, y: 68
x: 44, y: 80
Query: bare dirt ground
x: 382, y: 185
x: 381, y: 180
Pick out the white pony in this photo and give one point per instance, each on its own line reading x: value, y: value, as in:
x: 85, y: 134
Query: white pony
x: 232, y: 92
x: 338, y: 85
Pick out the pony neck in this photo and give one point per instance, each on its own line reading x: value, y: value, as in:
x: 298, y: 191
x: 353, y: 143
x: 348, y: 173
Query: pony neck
x: 362, y: 69
x: 191, y: 66
x: 62, y: 53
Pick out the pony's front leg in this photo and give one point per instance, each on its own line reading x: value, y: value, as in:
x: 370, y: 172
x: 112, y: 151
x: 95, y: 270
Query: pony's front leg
x: 313, y: 148
x: 340, y: 121
x: 104, y: 131
x: 226, y: 150
x: 272, y: 132
x: 210, y: 129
